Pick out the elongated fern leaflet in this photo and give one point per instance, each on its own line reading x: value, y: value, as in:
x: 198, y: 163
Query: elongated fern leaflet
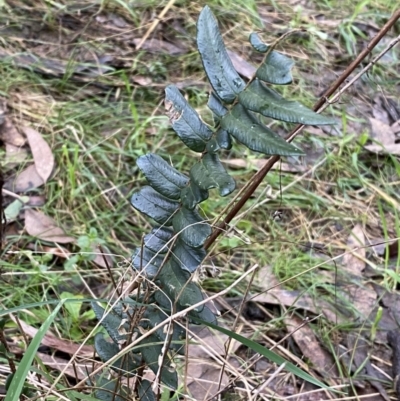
x: 171, y: 253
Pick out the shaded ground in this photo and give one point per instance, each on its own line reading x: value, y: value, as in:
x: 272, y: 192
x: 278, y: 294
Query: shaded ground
x: 82, y: 98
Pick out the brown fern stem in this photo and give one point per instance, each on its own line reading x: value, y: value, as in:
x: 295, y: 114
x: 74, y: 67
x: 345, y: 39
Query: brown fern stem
x: 260, y: 175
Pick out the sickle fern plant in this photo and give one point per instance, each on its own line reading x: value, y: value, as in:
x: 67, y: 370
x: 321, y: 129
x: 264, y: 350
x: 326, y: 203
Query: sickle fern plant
x: 173, y: 250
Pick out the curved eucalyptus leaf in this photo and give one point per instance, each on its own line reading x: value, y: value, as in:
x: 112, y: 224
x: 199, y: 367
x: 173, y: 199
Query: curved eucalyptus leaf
x: 145, y: 391
x: 157, y: 240
x: 176, y: 284
x: 151, y: 203
x: 153, y: 317
x: 224, y: 139
x: 216, y: 106
x: 223, y: 77
x: 205, y: 315
x: 276, y: 68
x: 188, y: 258
x: 112, y: 323
x: 209, y: 173
x: 191, y: 227
x: 185, y: 121
x: 192, y: 195
x: 162, y: 176
x: 261, y: 99
x: 243, y: 126
x: 257, y: 43
x: 151, y: 350
x: 127, y: 364
x: 111, y: 390
x: 147, y: 262
x: 163, y: 301
x: 212, y: 146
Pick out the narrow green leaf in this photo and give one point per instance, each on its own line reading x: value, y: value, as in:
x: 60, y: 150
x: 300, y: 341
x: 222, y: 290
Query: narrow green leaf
x: 151, y: 203
x: 209, y: 173
x: 223, y: 77
x: 261, y: 99
x: 127, y: 364
x: 191, y: 227
x: 111, y: 323
x: 276, y: 68
x: 188, y: 258
x: 176, y: 284
x: 158, y: 239
x: 151, y: 351
x: 18, y: 381
x: 146, y: 261
x: 185, y: 121
x: 216, y: 106
x: 243, y: 126
x: 192, y: 195
x: 272, y: 356
x: 224, y: 139
x: 162, y: 176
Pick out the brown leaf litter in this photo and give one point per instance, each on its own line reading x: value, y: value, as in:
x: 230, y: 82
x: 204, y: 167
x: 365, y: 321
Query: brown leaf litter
x: 384, y: 137
x: 42, y: 153
x: 54, y: 342
x: 25, y: 181
x: 38, y: 225
x: 8, y: 132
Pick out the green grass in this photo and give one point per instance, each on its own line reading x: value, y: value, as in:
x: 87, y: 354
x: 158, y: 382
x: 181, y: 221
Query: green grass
x: 99, y: 127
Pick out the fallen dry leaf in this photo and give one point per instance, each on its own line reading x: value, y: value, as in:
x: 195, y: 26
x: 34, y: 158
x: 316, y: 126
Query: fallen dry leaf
x: 266, y: 279
x: 42, y: 154
x: 202, y: 338
x: 14, y: 155
x: 54, y: 342
x: 396, y: 127
x: 76, y: 370
x: 354, y: 261
x: 8, y: 133
x: 242, y: 66
x: 142, y: 80
x: 382, y: 132
x: 203, y: 379
x: 360, y: 349
x: 57, y: 251
x: 160, y: 46
x: 393, y: 149
x: 384, y: 248
x: 362, y: 299
x: 102, y: 259
x: 298, y: 300
x: 36, y: 200
x: 308, y: 343
x: 44, y: 227
x: 25, y: 181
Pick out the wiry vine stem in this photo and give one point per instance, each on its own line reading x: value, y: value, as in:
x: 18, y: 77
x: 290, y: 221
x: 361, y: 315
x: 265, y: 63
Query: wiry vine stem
x: 258, y: 177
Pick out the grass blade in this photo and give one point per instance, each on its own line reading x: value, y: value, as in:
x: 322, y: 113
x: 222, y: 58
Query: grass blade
x: 18, y: 381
